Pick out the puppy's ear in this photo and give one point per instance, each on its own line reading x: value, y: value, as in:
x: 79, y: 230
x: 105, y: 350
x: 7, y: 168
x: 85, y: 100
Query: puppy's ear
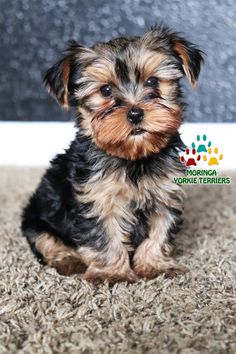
x: 191, y: 58
x: 60, y: 79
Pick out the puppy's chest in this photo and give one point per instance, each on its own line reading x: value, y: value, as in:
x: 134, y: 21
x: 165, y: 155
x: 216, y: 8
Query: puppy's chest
x: 116, y: 196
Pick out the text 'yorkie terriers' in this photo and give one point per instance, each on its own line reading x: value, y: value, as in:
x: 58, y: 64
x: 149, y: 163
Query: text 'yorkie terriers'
x: 107, y: 208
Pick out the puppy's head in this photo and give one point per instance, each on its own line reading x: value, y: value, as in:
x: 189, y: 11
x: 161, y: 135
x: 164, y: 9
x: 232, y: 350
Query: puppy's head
x: 127, y: 90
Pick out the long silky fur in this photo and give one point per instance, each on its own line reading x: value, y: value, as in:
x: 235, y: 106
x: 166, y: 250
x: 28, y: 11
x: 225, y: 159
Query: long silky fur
x: 100, y: 205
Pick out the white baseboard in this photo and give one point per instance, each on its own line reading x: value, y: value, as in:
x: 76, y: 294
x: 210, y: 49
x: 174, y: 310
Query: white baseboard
x: 35, y: 143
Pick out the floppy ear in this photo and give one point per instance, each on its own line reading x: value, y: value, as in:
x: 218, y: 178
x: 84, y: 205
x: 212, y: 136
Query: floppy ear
x: 56, y: 80
x: 191, y: 58
x: 61, y: 77
x: 189, y: 55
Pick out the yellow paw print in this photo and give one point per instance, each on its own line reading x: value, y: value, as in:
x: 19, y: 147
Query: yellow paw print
x: 213, y: 160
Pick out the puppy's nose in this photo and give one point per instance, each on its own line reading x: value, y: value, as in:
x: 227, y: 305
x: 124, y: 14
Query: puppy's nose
x: 135, y: 115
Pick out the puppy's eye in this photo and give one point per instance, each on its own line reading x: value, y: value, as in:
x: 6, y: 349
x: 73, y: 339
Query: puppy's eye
x: 106, y: 90
x: 152, y: 81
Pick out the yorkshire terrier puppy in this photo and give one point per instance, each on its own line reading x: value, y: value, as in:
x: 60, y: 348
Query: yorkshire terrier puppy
x: 108, y: 209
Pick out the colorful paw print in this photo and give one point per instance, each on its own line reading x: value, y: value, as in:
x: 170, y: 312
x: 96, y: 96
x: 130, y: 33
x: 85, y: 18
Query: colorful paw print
x: 201, y: 150
x: 202, y: 145
x: 191, y: 157
x: 213, y: 156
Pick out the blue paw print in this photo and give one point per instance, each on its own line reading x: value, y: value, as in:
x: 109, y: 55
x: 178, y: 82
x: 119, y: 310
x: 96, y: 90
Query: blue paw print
x: 202, y: 146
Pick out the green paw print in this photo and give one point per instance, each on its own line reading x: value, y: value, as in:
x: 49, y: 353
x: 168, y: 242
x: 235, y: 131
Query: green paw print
x: 202, y: 146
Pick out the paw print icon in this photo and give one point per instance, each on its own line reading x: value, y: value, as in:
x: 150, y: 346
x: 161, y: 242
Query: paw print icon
x: 202, y: 144
x: 201, y: 152
x: 191, y: 157
x: 213, y: 157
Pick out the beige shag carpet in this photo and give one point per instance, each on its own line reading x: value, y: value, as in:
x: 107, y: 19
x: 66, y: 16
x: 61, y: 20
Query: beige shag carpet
x: 43, y: 312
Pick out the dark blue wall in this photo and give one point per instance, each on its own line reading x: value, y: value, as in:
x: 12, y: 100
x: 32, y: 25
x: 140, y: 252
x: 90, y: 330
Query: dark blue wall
x: 34, y: 32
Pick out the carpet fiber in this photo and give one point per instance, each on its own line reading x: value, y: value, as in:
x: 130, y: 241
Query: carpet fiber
x: 43, y: 312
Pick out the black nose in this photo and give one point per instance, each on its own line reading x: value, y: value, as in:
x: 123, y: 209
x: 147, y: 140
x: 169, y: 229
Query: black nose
x: 135, y: 115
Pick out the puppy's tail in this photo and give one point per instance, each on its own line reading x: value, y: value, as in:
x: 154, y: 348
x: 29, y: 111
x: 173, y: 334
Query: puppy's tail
x: 32, y: 226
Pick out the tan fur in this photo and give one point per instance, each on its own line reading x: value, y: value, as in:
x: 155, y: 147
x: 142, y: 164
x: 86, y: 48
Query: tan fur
x: 111, y: 204
x: 113, y: 193
x: 102, y: 71
x: 168, y: 92
x: 153, y: 256
x: 179, y: 48
x: 105, y: 120
x: 165, y: 191
x: 114, y: 133
x: 111, y: 196
x: 88, y: 264
x: 148, y: 62
x: 66, y: 73
x: 111, y: 266
x: 111, y: 200
x: 56, y: 254
x: 86, y: 121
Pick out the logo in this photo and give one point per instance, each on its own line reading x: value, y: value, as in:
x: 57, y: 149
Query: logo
x: 201, y: 150
x: 201, y: 160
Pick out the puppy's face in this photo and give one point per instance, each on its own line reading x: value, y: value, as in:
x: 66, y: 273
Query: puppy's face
x: 127, y: 90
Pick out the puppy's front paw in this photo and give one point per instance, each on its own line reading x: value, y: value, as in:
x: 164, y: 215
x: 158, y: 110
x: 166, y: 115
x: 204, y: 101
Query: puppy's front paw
x: 153, y: 270
x: 95, y: 276
x: 150, y: 261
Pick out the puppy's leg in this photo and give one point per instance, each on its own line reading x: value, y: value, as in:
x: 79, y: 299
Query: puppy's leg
x: 111, y: 265
x: 107, y: 257
x: 154, y: 255
x: 111, y: 262
x: 55, y: 253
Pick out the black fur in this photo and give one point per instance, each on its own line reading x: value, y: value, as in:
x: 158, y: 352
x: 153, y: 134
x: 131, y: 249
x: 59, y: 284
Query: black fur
x: 54, y: 209
x: 122, y: 71
x: 140, y: 230
x: 137, y: 74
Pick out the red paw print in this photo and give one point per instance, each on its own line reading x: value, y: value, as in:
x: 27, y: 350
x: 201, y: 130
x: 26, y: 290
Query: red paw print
x: 191, y: 160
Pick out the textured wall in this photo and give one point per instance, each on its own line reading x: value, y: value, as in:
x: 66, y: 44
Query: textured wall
x: 33, y: 33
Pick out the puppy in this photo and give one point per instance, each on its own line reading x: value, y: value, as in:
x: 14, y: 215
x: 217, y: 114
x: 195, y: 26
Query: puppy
x: 107, y: 209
